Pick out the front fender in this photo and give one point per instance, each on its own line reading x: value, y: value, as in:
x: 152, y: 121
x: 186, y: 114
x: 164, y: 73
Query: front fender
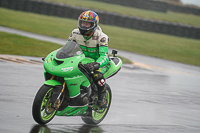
x: 52, y: 82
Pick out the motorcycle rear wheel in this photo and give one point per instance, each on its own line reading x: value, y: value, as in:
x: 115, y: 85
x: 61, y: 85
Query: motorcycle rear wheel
x: 41, y: 110
x: 95, y: 117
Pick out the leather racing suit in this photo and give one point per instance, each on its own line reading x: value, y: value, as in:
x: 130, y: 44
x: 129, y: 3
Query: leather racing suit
x: 95, y: 47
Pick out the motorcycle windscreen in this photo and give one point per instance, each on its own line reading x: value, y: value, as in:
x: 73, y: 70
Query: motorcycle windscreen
x: 70, y: 49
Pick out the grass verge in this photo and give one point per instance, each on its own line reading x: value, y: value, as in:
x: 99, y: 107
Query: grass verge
x: 19, y: 45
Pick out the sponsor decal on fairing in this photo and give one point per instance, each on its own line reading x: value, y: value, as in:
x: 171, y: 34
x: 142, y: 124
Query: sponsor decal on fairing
x: 67, y: 69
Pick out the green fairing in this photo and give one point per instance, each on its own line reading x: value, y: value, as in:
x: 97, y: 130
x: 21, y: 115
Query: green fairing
x: 113, y: 68
x: 69, y: 67
x: 74, y: 84
x: 72, y: 111
x: 52, y: 82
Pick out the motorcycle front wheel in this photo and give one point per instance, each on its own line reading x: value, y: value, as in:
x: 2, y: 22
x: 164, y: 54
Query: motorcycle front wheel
x: 41, y: 110
x: 97, y: 115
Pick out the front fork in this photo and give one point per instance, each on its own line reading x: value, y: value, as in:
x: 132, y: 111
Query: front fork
x: 56, y: 102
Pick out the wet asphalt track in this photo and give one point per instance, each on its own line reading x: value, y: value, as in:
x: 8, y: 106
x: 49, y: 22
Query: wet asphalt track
x: 144, y: 101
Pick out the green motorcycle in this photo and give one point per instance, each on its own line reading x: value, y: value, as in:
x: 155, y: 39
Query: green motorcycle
x: 66, y: 77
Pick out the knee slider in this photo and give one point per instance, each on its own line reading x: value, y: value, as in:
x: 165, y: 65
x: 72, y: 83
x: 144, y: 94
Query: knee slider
x: 101, y: 82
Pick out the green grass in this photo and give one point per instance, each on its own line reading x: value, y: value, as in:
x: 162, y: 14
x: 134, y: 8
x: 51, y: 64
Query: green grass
x: 41, y: 24
x: 19, y: 45
x: 169, y: 16
x: 158, y: 45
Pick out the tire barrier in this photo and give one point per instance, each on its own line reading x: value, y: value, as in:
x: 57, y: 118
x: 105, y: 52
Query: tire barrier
x: 143, y: 4
x: 110, y: 18
x: 183, y: 9
x: 155, y: 5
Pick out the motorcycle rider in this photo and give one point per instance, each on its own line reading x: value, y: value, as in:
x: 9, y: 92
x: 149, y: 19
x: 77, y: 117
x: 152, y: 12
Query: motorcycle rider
x: 94, y: 44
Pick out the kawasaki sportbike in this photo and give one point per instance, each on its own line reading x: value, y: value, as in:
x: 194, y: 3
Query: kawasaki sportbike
x: 66, y: 77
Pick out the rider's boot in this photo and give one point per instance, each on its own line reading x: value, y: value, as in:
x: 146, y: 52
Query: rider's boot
x: 100, y: 83
x: 102, y: 102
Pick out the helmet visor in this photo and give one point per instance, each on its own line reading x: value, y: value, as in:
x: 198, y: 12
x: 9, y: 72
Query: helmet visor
x: 86, y: 25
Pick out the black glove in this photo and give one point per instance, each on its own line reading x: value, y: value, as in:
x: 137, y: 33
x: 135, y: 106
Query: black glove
x: 92, y: 66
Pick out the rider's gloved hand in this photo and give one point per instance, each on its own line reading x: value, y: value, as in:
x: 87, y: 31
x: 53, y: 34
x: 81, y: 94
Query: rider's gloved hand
x: 92, y: 66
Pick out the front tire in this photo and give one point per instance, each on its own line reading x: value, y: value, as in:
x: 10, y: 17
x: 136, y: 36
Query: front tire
x: 41, y: 110
x: 95, y: 117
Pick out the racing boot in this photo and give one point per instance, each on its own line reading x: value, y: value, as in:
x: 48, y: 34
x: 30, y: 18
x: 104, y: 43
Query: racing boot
x: 100, y: 83
x: 102, y: 102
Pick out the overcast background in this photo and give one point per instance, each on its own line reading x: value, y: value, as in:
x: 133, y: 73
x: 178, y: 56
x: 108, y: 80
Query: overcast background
x: 194, y: 2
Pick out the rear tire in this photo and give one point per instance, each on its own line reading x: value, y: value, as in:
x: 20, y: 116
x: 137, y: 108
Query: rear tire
x: 95, y: 117
x: 41, y: 109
